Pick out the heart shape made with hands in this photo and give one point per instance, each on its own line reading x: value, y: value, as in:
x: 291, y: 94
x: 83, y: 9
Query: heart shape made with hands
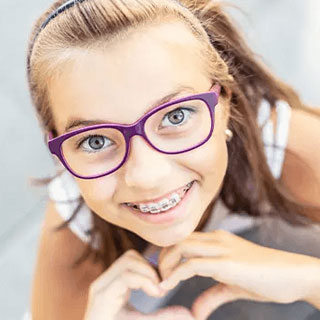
x: 206, y: 303
x: 223, y: 257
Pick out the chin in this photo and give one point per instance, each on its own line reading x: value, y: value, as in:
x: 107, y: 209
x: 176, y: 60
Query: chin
x: 170, y: 237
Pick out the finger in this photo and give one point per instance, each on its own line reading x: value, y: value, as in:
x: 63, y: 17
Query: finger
x: 126, y: 262
x: 118, y: 291
x: 214, y: 268
x: 131, y: 280
x: 169, y: 313
x: 213, y: 235
x: 174, y: 255
x: 214, y: 297
x: 150, y: 269
x: 200, y: 236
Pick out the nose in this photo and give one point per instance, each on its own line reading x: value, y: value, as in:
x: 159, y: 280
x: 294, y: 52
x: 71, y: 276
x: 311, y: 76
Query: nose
x: 145, y: 168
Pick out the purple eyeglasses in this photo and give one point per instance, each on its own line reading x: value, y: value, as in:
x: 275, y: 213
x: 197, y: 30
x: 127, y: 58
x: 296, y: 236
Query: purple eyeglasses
x: 175, y: 127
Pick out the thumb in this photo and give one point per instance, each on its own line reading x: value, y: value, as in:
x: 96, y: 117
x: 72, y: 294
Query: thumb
x: 212, y: 298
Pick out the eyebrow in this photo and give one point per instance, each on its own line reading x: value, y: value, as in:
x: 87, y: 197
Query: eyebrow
x: 78, y: 122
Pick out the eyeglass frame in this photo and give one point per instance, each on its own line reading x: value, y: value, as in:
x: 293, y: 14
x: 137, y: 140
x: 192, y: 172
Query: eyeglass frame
x: 210, y: 98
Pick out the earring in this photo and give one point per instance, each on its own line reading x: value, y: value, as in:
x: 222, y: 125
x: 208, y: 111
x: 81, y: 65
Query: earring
x: 229, y: 134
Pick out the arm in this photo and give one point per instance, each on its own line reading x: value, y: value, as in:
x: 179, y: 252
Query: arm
x: 302, y: 177
x: 60, y: 291
x: 314, y: 297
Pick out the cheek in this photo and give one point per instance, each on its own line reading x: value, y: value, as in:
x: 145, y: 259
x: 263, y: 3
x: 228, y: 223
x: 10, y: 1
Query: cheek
x: 209, y: 161
x: 98, y: 193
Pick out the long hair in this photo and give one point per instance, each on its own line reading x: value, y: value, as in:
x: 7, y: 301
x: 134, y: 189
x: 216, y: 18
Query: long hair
x: 248, y: 185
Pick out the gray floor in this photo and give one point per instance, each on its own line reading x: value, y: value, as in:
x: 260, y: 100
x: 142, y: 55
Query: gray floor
x: 283, y: 32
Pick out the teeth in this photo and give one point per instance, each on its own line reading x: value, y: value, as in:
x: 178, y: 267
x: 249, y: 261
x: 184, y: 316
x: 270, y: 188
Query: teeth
x: 144, y: 208
x: 175, y: 199
x: 163, y: 205
x: 154, y: 208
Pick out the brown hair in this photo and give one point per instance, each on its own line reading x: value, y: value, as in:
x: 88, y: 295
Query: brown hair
x: 248, y: 185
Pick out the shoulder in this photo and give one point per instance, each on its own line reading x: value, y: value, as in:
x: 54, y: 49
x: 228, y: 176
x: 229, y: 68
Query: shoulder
x: 304, y: 137
x: 301, y: 170
x: 56, y: 285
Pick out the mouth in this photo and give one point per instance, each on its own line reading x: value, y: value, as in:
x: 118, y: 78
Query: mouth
x: 165, y: 210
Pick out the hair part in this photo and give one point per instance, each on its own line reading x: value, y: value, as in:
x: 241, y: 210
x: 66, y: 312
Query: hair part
x: 248, y: 185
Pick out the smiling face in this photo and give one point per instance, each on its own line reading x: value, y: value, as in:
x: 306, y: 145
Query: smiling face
x: 119, y: 84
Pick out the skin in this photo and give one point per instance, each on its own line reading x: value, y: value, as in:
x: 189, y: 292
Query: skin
x: 160, y: 58
x: 243, y: 269
x: 163, y: 64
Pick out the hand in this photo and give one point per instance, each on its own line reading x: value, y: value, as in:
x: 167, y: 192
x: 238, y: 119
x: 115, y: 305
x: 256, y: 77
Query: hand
x: 110, y: 292
x: 169, y: 313
x: 244, y: 269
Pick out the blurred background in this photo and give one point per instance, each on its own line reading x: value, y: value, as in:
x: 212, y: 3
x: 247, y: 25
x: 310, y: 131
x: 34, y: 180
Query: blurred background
x: 285, y: 33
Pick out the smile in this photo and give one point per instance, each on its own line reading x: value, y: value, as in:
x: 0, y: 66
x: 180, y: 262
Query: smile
x: 167, y: 210
x: 163, y: 204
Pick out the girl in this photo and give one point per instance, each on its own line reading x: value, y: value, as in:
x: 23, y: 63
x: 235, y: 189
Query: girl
x: 152, y: 108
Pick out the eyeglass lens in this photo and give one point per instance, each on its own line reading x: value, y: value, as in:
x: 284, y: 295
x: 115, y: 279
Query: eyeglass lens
x: 172, y: 129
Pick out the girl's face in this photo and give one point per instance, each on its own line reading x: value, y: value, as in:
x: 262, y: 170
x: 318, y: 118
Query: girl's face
x: 120, y: 84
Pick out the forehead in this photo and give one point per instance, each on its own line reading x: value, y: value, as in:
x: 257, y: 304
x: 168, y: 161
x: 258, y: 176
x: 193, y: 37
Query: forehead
x: 122, y: 81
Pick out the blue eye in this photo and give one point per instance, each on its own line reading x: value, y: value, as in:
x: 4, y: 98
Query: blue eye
x: 94, y: 143
x: 177, y: 117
